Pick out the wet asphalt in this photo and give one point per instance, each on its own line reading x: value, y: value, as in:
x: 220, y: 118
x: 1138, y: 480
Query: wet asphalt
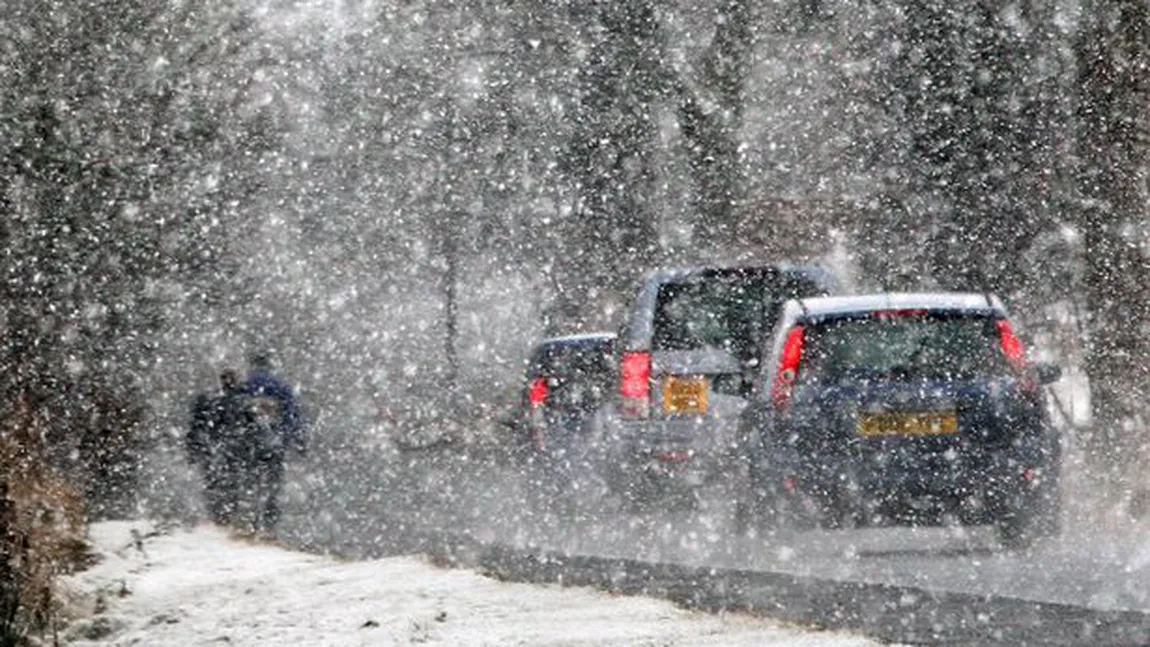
x: 367, y: 503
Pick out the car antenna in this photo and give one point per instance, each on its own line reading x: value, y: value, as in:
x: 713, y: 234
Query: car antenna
x: 806, y: 313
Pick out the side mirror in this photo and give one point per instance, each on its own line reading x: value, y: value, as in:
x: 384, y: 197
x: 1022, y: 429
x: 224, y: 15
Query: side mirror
x: 1047, y: 373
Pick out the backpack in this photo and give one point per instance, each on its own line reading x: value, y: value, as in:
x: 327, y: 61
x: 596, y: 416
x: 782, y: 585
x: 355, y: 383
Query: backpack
x: 266, y: 422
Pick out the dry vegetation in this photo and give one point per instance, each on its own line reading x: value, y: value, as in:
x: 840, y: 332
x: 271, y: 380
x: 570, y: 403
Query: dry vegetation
x: 43, y: 517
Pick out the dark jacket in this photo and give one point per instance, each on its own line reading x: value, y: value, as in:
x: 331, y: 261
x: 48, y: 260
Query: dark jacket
x: 220, y: 426
x: 274, y: 407
x: 199, y: 441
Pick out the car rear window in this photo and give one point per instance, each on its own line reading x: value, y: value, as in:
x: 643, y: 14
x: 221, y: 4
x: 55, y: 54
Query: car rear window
x: 716, y: 313
x: 724, y: 310
x: 904, y: 346
x: 573, y: 361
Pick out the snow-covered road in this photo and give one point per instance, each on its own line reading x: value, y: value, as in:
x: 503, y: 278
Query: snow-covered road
x: 202, y: 586
x: 1101, y: 560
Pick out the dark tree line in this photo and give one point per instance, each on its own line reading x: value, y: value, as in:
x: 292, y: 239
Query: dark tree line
x: 1113, y: 143
x: 621, y: 83
x: 125, y: 139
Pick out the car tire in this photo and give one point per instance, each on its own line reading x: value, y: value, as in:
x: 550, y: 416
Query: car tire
x: 1034, y: 516
x: 764, y: 515
x: 1139, y: 506
x: 749, y: 520
x: 1015, y: 533
x: 537, y: 498
x: 634, y: 497
x: 744, y: 518
x: 689, y: 500
x: 766, y: 512
x: 756, y: 503
x: 838, y: 514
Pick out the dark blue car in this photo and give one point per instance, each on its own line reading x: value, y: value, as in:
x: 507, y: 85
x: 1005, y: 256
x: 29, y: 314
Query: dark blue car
x: 901, y: 409
x: 553, y: 423
x: 566, y: 381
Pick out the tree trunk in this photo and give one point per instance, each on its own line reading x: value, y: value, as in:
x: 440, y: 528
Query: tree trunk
x: 712, y: 137
x: 612, y: 235
x: 1114, y: 56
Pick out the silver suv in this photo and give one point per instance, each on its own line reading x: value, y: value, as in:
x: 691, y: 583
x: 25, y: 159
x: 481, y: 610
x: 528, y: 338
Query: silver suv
x: 686, y: 355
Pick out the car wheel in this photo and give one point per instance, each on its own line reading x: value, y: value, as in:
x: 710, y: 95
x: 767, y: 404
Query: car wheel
x: 1036, y: 515
x: 752, y: 517
x: 535, y: 484
x: 768, y: 511
x: 745, y: 519
x: 741, y: 488
x: 1139, y: 506
x: 688, y: 500
x: 1014, y: 532
x: 838, y: 514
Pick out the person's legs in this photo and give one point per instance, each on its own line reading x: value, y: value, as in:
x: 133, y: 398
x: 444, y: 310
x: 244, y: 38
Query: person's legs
x: 232, y: 490
x: 272, y: 483
x: 214, y: 493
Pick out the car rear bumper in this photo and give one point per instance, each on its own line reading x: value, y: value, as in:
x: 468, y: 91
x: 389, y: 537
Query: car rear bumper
x: 990, y: 475
x: 672, y: 452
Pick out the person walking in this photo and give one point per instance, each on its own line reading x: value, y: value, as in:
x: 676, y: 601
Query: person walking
x: 214, y: 444
x: 198, y: 446
x: 275, y: 431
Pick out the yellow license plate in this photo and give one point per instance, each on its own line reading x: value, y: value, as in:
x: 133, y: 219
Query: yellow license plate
x: 902, y: 423
x: 685, y: 395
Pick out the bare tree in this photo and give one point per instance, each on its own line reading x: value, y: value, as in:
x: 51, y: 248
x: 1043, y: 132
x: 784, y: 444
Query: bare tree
x: 975, y: 115
x: 711, y: 102
x: 613, y: 234
x: 1114, y: 147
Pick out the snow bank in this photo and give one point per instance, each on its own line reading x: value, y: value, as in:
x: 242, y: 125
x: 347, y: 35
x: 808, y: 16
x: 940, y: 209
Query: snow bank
x: 199, y: 586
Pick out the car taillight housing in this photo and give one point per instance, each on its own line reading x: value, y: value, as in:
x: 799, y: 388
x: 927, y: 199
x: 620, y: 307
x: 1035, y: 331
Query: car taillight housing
x: 788, y: 371
x: 635, y: 384
x: 537, y: 392
x: 1015, y: 354
x: 537, y: 397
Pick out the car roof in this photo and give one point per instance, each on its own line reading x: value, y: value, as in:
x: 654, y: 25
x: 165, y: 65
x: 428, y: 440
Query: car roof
x: 588, y: 338
x: 639, y: 323
x: 674, y: 274
x: 822, y: 307
x: 550, y: 349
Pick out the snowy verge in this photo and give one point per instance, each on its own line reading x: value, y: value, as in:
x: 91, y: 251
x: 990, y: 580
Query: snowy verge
x: 201, y: 585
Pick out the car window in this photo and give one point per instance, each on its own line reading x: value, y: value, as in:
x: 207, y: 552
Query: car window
x: 574, y: 361
x: 902, y: 347
x: 714, y: 313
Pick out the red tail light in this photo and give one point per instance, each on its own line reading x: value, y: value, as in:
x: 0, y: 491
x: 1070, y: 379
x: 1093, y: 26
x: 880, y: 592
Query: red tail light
x: 537, y: 394
x: 1015, y: 353
x: 788, y: 368
x: 635, y: 383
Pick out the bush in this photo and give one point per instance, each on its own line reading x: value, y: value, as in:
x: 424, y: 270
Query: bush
x: 42, y: 532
